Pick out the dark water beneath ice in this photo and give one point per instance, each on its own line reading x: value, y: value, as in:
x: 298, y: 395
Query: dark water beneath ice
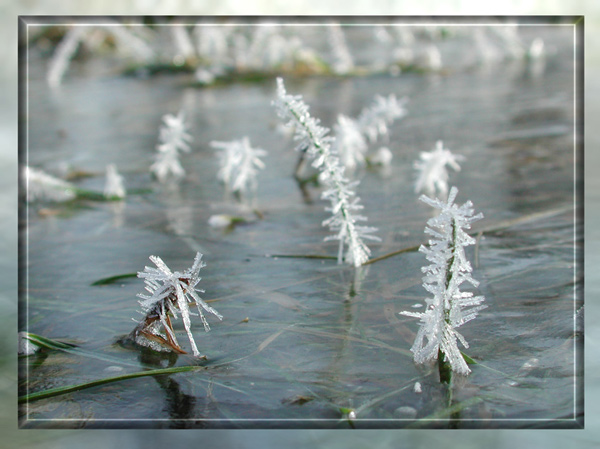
x: 304, y: 339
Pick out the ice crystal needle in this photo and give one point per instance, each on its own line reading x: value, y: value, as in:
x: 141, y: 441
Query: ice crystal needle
x: 171, y: 293
x: 433, y: 175
x: 313, y: 139
x: 239, y: 164
x: 173, y: 139
x: 352, y: 135
x: 448, y: 308
x: 42, y: 186
x: 113, y: 189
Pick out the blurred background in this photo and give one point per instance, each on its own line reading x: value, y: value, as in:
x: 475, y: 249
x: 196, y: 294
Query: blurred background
x: 12, y: 437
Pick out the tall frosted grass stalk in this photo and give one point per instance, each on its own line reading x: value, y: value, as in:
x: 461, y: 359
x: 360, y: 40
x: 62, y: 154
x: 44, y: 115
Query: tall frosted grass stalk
x: 313, y: 139
x: 449, y: 308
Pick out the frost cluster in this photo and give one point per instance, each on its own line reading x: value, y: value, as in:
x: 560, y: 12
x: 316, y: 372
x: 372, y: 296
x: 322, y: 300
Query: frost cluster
x: 449, y: 307
x: 114, y: 183
x: 42, y: 186
x: 239, y: 164
x: 170, y: 293
x: 433, y: 175
x: 342, y: 60
x: 126, y: 41
x: 313, y: 139
x: 352, y: 135
x: 173, y: 138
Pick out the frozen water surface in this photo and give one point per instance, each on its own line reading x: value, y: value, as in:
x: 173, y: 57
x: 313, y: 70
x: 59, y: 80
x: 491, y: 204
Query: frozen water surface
x: 305, y: 342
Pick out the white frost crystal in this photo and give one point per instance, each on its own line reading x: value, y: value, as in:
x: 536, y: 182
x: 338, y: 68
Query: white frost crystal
x: 449, y: 308
x: 170, y: 292
x: 239, y: 164
x: 339, y: 191
x: 433, y: 175
x: 352, y: 135
x: 342, y: 60
x: 173, y: 138
x: 374, y: 120
x: 114, y: 183
x: 42, y: 186
x: 26, y: 347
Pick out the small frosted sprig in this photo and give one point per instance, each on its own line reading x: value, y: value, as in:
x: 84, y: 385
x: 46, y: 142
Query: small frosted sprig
x: 239, y: 164
x: 173, y: 138
x: 313, y: 139
x: 42, y: 186
x: 342, y: 59
x: 449, y: 307
x: 432, y: 173
x: 352, y: 135
x: 113, y: 188
x: 374, y: 120
x: 171, y: 293
x: 63, y: 54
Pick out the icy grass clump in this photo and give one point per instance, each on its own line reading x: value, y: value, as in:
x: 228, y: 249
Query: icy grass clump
x: 173, y: 139
x: 42, y: 186
x: 114, y: 183
x: 239, y: 164
x: 313, y: 139
x: 170, y: 293
x: 353, y: 135
x: 433, y: 175
x: 449, y: 308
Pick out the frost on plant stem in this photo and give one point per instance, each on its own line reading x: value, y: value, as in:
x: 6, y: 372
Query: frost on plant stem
x: 374, y: 120
x: 449, y: 307
x: 42, y: 186
x: 173, y: 139
x: 63, y: 54
x: 114, y: 183
x: 239, y: 164
x: 342, y: 60
x: 352, y: 135
x: 130, y: 42
x: 313, y: 139
x: 171, y: 293
x: 433, y: 175
x: 184, y: 47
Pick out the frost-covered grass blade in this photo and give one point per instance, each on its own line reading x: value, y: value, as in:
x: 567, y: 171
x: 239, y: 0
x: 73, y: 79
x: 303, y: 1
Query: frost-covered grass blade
x: 449, y: 307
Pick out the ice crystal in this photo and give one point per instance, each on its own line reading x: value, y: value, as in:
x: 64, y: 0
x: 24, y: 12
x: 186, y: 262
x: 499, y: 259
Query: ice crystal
x: 63, y: 54
x: 374, y: 120
x: 173, y: 139
x: 383, y: 156
x: 350, y: 142
x: 448, y: 308
x: 183, y: 44
x: 313, y: 139
x: 342, y: 60
x: 352, y: 136
x: 433, y: 176
x: 430, y: 58
x: 42, y: 186
x: 132, y: 41
x: 114, y: 183
x: 239, y: 164
x: 171, y: 293
x: 26, y: 347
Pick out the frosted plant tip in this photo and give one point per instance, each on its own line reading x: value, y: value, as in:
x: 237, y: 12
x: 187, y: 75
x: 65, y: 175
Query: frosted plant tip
x: 170, y: 294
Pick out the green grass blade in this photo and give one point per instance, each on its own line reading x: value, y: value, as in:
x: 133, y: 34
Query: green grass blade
x: 113, y: 279
x: 72, y: 388
x: 47, y: 343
